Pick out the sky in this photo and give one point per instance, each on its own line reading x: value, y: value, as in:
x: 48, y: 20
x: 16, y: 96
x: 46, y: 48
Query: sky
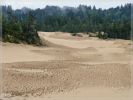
x: 105, y: 4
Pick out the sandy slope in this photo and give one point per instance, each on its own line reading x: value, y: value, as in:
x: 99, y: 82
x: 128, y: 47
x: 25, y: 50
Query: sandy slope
x: 69, y: 68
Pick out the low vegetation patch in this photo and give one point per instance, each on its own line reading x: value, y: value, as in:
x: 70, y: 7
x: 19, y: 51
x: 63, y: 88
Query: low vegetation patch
x: 102, y: 35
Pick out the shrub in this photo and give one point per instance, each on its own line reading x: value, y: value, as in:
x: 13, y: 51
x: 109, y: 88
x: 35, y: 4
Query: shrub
x: 73, y: 34
x: 102, y: 35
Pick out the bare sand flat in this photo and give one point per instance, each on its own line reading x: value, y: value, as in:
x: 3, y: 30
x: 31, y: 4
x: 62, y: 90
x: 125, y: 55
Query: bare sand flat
x: 69, y: 68
x: 21, y: 52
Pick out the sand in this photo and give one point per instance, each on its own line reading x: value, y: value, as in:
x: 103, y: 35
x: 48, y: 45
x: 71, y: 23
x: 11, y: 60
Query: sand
x: 68, y: 68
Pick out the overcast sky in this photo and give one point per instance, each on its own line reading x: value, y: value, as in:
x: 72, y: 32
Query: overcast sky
x: 16, y: 4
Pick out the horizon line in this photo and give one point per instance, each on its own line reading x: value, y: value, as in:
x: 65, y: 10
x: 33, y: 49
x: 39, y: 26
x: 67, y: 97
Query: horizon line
x: 65, y: 6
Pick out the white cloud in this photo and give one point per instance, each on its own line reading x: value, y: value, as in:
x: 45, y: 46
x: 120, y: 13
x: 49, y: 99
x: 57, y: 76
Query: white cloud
x: 42, y: 3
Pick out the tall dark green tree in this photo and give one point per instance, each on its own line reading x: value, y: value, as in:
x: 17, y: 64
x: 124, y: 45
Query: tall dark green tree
x: 116, y: 22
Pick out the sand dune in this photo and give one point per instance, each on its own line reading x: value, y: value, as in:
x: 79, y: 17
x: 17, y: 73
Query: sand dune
x: 69, y: 68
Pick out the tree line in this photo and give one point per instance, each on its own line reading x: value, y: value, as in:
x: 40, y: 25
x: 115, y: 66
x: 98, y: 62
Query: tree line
x: 23, y: 24
x: 17, y: 31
